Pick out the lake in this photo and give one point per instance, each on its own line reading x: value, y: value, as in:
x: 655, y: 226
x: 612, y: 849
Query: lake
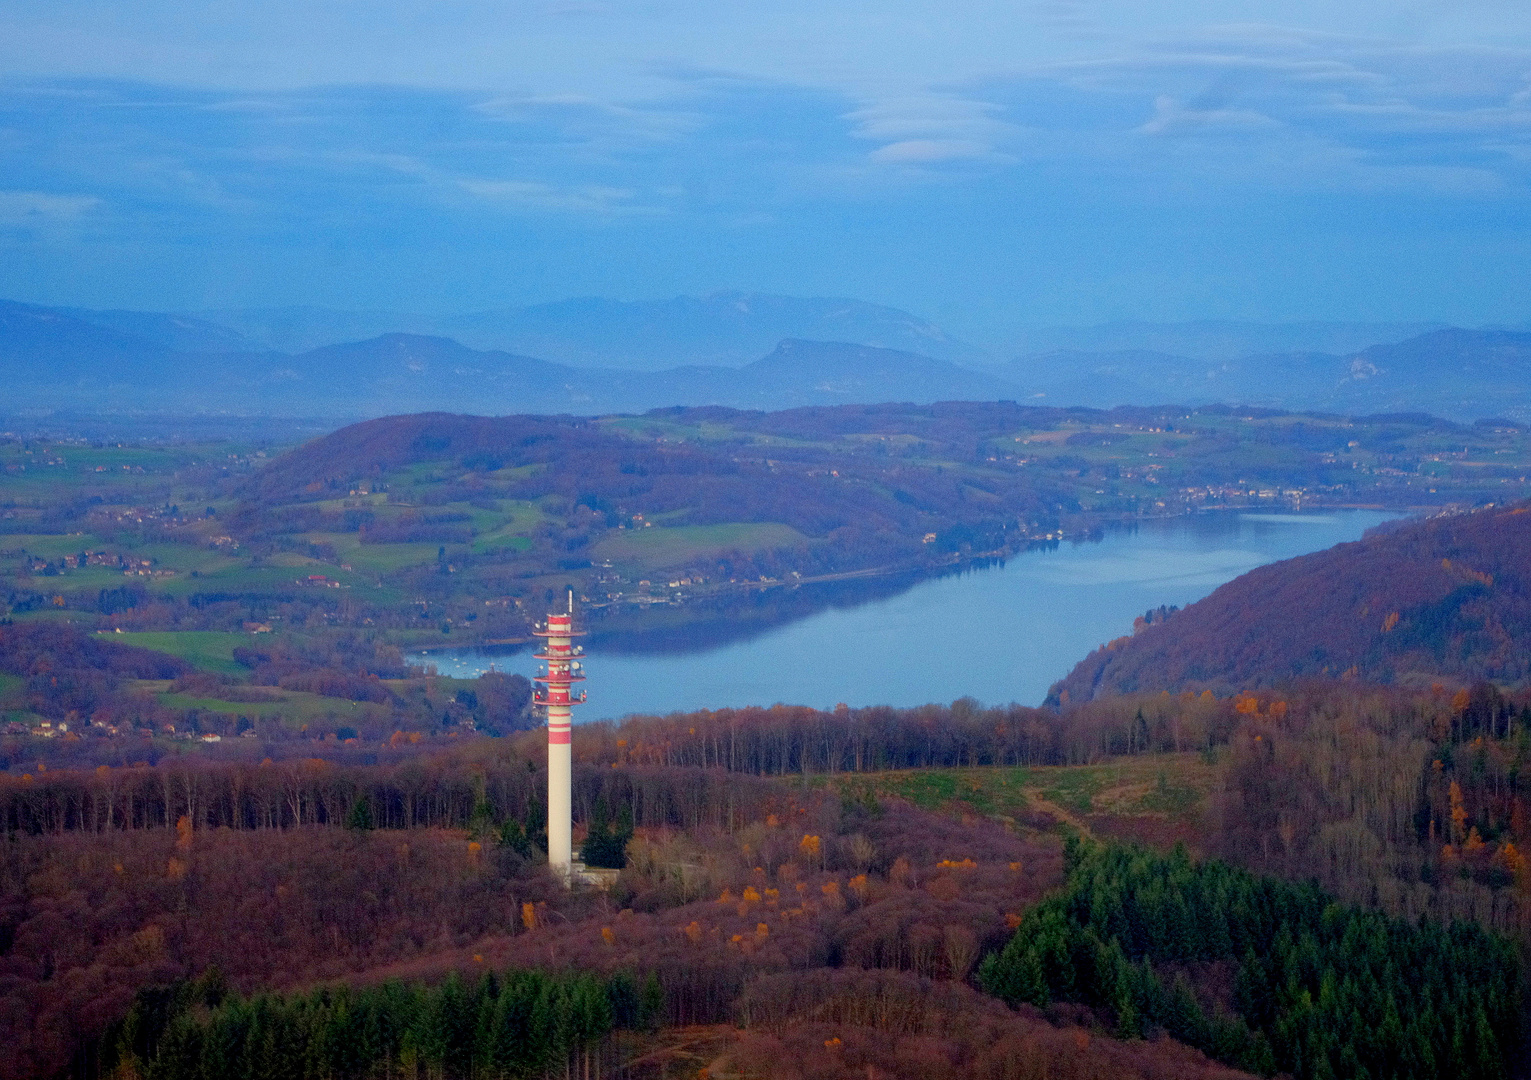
x: 1000, y: 634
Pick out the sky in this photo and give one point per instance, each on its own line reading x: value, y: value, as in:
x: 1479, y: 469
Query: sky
x: 987, y: 165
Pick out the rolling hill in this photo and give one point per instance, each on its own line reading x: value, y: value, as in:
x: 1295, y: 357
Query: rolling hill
x: 1448, y: 597
x: 1449, y: 372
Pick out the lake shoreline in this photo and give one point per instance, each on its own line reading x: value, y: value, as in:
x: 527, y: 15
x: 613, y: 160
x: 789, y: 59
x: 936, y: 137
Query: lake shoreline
x: 624, y: 624
x: 1004, y: 631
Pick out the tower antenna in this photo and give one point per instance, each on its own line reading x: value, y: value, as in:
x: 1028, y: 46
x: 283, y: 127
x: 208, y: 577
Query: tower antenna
x: 557, y: 696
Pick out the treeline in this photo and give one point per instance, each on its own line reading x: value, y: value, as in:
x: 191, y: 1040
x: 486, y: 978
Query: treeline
x: 1270, y: 789
x: 669, y: 770
x: 1322, y: 990
x: 502, y: 1026
x: 482, y: 786
x: 438, y: 788
x: 785, y: 739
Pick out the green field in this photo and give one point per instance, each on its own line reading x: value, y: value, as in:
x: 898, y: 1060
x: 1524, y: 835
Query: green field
x: 374, y: 558
x: 509, y: 534
x: 1170, y: 787
x: 46, y: 546
x: 210, y: 650
x: 295, y: 707
x: 663, y: 546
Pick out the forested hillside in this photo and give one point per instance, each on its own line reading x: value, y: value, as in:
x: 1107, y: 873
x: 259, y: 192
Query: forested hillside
x: 1449, y: 597
x: 1320, y: 990
x: 814, y: 889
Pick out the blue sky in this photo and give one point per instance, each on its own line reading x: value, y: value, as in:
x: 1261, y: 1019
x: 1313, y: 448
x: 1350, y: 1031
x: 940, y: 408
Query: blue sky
x: 988, y: 165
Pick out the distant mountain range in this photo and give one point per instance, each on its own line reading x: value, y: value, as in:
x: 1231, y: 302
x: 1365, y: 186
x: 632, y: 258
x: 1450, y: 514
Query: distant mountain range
x: 1217, y: 340
x: 724, y: 329
x: 252, y: 363
x: 1454, y: 373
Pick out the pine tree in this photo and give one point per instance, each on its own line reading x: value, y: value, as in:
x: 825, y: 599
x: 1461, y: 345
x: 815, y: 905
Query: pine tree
x: 1321, y: 987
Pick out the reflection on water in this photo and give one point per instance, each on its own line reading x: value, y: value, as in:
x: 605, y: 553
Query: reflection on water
x: 1294, y: 519
x: 739, y: 617
x: 1004, y: 633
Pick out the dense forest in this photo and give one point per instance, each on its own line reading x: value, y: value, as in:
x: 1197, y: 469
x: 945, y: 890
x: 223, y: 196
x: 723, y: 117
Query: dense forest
x: 1319, y: 989
x: 505, y: 1024
x: 748, y: 876
x: 1448, y: 597
x: 758, y: 851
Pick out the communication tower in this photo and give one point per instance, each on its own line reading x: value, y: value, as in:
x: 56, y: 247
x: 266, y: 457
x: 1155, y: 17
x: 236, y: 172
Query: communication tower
x: 560, y: 671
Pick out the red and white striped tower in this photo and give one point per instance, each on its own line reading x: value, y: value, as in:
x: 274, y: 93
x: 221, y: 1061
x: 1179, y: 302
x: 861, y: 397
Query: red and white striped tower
x: 556, y: 695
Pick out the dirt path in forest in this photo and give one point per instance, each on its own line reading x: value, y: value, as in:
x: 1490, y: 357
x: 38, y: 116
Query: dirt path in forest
x: 683, y: 1052
x: 1047, y: 806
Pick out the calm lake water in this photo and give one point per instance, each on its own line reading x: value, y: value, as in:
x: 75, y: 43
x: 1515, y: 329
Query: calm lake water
x: 1000, y: 634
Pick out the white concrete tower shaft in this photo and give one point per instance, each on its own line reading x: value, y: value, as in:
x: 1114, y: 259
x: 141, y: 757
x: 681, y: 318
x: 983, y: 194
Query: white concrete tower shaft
x: 556, y: 695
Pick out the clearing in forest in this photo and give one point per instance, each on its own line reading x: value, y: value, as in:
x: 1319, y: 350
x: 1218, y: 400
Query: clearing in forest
x: 1159, y: 799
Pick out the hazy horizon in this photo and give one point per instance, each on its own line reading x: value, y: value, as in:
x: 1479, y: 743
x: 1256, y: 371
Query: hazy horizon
x: 749, y: 324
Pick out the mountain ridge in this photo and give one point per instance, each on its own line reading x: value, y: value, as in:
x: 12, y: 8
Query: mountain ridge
x: 74, y: 359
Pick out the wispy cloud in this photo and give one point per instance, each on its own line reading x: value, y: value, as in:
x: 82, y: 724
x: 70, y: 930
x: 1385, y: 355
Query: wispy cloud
x: 1274, y: 107
x: 579, y: 199
x: 1057, y: 149
x: 930, y: 128
x: 38, y: 208
x: 930, y: 151
x: 1171, y: 117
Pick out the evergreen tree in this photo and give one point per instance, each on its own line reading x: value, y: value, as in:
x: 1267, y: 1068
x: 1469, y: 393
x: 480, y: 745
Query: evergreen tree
x: 360, y: 817
x: 1321, y: 988
x: 604, y: 846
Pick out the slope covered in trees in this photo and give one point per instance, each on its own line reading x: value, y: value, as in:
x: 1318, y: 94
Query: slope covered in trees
x: 1321, y: 990
x: 504, y: 1024
x: 730, y: 877
x: 827, y: 913
x: 1449, y: 597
